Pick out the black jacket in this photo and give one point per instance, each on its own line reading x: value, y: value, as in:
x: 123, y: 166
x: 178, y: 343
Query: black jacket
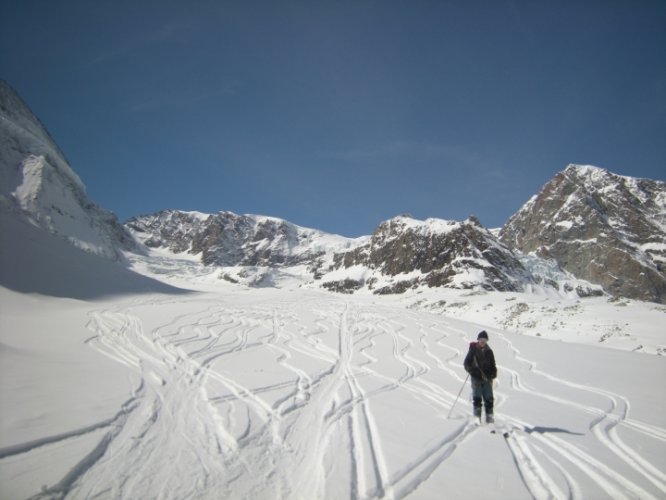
x: 480, y: 363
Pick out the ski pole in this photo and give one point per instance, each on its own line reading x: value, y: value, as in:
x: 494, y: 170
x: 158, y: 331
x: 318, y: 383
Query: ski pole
x: 458, y: 396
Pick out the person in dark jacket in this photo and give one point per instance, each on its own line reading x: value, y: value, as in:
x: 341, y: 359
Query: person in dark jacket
x: 480, y: 364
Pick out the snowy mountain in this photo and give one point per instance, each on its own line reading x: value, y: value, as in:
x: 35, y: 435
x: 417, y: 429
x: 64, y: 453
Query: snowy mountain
x: 402, y: 254
x: 116, y: 385
x: 38, y: 184
x: 249, y: 249
x: 228, y: 239
x: 34, y: 261
x: 551, y: 244
x: 599, y: 226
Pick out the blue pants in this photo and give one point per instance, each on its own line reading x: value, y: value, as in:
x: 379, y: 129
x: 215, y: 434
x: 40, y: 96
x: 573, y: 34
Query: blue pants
x: 482, y: 390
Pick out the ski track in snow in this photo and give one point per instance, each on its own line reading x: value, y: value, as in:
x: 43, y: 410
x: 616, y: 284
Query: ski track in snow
x: 203, y: 422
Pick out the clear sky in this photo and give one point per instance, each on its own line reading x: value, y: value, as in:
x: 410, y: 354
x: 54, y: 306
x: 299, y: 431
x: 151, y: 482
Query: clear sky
x: 340, y: 114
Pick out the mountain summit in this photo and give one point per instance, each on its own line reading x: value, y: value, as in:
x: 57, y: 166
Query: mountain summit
x: 599, y: 226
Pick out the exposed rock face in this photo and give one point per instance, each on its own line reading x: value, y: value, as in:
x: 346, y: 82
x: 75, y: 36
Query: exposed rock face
x: 37, y: 183
x: 402, y: 254
x: 171, y: 229
x: 601, y: 227
x: 228, y: 239
x: 441, y: 253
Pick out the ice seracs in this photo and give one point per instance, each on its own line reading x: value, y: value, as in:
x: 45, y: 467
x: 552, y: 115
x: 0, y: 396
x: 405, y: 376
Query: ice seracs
x: 37, y: 183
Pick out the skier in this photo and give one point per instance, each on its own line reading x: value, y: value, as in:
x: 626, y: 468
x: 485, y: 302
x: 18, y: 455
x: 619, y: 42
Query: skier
x: 480, y: 364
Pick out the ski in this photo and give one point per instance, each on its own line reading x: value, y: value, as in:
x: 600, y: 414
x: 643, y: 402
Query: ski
x: 500, y: 429
x: 505, y: 434
x: 495, y: 427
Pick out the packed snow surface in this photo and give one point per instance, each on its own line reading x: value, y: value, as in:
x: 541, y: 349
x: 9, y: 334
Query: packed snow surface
x: 268, y: 393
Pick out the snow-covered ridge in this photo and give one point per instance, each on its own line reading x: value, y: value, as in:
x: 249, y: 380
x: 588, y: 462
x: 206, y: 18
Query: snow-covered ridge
x: 424, y: 227
x: 407, y: 254
x: 587, y: 204
x: 603, y: 182
x: 197, y: 232
x: 402, y: 254
x: 255, y: 250
x: 23, y: 130
x: 584, y: 207
x: 37, y: 183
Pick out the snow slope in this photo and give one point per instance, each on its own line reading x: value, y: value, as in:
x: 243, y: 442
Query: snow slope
x: 614, y: 323
x: 114, y: 385
x: 38, y: 184
x: 276, y: 394
x: 36, y: 262
x: 270, y: 393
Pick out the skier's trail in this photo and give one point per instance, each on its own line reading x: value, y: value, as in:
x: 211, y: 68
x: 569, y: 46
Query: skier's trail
x: 603, y: 425
x: 332, y: 399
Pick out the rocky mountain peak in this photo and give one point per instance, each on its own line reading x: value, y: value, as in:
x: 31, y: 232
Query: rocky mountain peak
x: 406, y: 253
x: 602, y: 227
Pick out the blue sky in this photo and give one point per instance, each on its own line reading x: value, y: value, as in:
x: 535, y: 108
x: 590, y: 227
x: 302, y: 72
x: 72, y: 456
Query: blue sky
x: 338, y: 115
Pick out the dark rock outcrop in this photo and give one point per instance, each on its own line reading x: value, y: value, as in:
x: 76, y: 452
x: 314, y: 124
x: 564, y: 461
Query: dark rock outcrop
x: 599, y: 226
x: 228, y: 239
x: 443, y: 253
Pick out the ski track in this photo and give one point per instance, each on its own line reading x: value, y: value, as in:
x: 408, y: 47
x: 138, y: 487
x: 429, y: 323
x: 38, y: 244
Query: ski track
x: 282, y: 430
x: 604, y: 428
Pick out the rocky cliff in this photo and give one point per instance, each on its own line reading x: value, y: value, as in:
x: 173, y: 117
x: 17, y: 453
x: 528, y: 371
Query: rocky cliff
x: 601, y: 227
x: 407, y: 253
x: 228, y: 239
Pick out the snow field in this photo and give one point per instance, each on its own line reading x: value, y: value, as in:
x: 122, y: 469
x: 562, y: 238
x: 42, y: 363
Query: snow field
x: 303, y: 394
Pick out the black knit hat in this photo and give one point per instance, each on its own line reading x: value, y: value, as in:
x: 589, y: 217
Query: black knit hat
x: 482, y: 335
